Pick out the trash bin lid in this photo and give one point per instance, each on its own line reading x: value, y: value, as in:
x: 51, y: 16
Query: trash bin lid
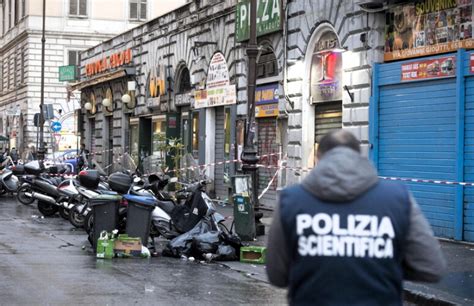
x: 144, y: 201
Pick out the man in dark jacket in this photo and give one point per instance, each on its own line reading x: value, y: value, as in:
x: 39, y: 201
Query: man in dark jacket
x: 344, y: 237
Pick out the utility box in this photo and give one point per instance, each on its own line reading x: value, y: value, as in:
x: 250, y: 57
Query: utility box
x: 244, y: 217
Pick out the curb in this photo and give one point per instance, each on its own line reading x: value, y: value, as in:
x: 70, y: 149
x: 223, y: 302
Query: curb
x: 419, y: 298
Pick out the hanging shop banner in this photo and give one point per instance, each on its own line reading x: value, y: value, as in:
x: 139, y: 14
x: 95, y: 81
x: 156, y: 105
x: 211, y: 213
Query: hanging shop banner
x: 268, y: 18
x: 428, y: 27
x: 429, y: 69
x: 218, y: 90
x: 115, y: 60
x: 183, y: 99
x: 266, y: 101
x: 326, y: 70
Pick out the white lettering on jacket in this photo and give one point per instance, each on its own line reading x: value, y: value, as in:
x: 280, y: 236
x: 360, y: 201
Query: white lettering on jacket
x: 363, y: 236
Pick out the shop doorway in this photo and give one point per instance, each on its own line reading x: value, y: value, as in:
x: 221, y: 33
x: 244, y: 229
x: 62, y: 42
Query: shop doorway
x: 144, y: 139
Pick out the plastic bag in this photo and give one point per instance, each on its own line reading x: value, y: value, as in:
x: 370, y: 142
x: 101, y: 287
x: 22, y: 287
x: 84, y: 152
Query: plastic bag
x: 182, y: 245
x: 207, y: 242
x: 226, y: 252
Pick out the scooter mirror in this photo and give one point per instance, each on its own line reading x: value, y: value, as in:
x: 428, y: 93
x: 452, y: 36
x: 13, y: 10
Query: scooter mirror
x: 173, y: 180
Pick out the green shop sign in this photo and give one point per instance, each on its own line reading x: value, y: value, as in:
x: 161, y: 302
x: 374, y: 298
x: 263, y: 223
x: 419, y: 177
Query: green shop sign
x: 268, y: 18
x: 67, y: 73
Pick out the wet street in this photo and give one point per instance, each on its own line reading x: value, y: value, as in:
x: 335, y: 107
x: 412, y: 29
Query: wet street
x: 43, y: 262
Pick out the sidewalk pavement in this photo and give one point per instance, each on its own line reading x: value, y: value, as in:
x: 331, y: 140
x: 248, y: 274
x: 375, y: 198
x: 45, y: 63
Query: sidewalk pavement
x: 456, y: 287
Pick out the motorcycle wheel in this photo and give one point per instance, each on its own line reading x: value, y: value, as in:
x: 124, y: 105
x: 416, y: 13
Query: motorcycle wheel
x: 64, y: 212
x: 47, y: 209
x: 76, y: 218
x: 22, y: 197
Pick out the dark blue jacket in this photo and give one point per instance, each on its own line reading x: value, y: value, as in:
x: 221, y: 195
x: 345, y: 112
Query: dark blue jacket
x: 339, y: 258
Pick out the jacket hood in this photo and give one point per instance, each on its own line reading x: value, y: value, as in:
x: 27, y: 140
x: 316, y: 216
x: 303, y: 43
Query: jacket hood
x: 341, y: 175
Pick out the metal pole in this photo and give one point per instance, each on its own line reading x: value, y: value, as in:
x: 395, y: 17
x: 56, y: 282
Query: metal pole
x: 249, y: 155
x: 41, y: 150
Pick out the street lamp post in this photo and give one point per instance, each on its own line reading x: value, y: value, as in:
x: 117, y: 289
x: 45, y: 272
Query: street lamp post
x: 41, y: 149
x: 249, y: 156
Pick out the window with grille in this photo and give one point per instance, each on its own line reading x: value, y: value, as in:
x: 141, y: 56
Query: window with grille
x: 1, y: 77
x: 23, y: 8
x: 78, y: 7
x: 74, y: 58
x: 138, y: 9
x: 267, y: 65
x: 10, y: 14
x: 4, y: 17
x: 17, y: 11
x: 22, y: 66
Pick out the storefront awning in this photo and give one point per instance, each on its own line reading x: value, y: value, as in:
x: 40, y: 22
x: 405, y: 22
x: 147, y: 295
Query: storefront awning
x: 103, y: 78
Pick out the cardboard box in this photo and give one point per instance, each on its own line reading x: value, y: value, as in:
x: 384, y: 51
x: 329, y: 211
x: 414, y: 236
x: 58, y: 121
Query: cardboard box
x: 128, y: 246
x: 253, y: 254
x: 105, y: 247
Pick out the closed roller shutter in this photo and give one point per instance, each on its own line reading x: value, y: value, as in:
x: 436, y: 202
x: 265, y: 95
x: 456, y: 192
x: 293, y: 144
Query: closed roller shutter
x: 221, y: 189
x: 417, y: 134
x: 328, y: 117
x: 267, y: 144
x: 469, y: 161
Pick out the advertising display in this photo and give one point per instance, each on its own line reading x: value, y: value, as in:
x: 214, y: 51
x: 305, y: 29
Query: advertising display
x: 326, y: 70
x: 218, y: 90
x: 429, y: 69
x: 266, y: 100
x: 428, y: 27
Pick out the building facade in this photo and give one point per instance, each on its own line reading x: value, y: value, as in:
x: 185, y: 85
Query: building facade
x: 180, y: 58
x: 71, y: 27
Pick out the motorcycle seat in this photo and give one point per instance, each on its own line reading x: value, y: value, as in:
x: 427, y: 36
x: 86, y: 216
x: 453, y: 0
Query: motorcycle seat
x: 167, y: 206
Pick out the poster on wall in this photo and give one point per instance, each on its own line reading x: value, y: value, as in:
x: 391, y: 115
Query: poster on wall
x: 326, y: 70
x: 441, y: 67
x: 428, y: 27
x: 266, y: 100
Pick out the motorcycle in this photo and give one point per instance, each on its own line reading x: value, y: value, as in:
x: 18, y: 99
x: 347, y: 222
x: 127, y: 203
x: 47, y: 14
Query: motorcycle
x: 87, y: 186
x: 173, y: 217
x: 8, y: 181
x: 39, y: 185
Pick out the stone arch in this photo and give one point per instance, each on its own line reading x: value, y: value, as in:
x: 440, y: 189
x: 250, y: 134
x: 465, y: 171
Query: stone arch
x: 308, y: 110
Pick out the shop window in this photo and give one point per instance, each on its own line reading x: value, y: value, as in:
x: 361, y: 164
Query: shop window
x: 159, y: 138
x: 195, y: 135
x: 134, y: 142
x: 78, y: 7
x: 138, y: 9
x: 227, y: 129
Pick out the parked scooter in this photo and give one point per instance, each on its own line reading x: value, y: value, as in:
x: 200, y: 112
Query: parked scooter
x: 43, y: 188
x: 8, y: 181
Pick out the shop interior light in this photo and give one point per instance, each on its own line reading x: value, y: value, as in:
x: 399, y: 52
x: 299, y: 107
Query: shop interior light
x: 106, y: 102
x: 126, y: 98
x: 88, y: 106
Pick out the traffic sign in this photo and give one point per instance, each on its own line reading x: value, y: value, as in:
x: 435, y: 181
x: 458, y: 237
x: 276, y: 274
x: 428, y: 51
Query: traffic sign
x: 56, y: 126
